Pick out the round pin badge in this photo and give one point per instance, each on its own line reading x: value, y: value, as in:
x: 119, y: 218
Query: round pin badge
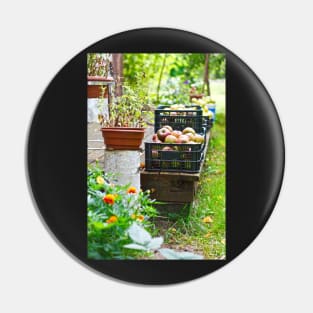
x: 155, y: 156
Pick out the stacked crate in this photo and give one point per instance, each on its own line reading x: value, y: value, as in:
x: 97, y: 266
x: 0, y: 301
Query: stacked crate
x: 174, y: 157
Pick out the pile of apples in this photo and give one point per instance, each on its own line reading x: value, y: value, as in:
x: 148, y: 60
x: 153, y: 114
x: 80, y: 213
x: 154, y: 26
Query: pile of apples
x: 204, y: 102
x: 166, y: 134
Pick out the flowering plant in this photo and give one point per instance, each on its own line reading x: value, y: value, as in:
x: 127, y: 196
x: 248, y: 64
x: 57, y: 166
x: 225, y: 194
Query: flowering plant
x: 112, y: 209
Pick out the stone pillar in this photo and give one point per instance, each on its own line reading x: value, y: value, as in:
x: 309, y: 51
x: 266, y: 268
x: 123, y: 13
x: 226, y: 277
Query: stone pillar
x: 125, y: 165
x: 93, y: 109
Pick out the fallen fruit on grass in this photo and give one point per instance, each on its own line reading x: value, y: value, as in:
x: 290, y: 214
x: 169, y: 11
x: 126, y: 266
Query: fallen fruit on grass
x: 162, y: 133
x: 207, y: 219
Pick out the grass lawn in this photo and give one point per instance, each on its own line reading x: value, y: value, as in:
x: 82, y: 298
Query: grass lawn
x: 203, y: 229
x: 218, y: 94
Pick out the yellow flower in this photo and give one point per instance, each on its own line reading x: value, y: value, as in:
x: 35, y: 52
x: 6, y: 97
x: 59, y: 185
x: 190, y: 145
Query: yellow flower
x: 133, y: 216
x: 112, y: 219
x: 140, y: 218
x: 207, y: 219
x: 100, y: 180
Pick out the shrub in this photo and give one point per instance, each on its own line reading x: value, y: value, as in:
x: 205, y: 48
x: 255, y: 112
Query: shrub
x: 112, y: 209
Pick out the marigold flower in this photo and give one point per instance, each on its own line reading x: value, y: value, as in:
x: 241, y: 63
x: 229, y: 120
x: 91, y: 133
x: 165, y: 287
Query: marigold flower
x: 140, y: 218
x: 109, y: 199
x: 131, y: 190
x: 100, y: 180
x: 112, y: 219
x: 207, y: 219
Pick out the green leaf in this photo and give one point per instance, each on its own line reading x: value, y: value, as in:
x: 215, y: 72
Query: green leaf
x: 98, y: 225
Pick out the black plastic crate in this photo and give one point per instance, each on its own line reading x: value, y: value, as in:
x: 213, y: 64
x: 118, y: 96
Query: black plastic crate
x: 179, y: 119
x: 207, y: 122
x: 185, y: 157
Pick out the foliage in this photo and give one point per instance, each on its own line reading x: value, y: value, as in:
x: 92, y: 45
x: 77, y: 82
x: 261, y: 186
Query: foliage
x: 98, y: 64
x: 181, y: 72
x: 126, y: 110
x: 112, y: 209
x: 143, y: 241
x: 119, y: 221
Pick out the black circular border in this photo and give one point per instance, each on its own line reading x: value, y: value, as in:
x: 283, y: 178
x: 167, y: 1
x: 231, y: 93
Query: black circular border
x: 56, y: 155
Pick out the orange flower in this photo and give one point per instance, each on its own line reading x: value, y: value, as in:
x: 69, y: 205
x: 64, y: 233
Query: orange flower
x: 109, y: 199
x: 112, y: 219
x: 131, y: 190
x: 140, y: 218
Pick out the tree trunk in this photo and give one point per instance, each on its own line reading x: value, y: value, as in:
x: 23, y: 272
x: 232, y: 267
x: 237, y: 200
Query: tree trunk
x: 117, y: 64
x: 160, y: 78
x: 206, y: 81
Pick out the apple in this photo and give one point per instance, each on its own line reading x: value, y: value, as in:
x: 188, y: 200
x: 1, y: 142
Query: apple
x: 170, y: 139
x: 190, y: 135
x: 189, y: 130
x: 155, y: 138
x: 154, y: 154
x: 183, y: 139
x: 167, y: 148
x: 162, y: 133
x: 199, y: 138
x: 176, y: 133
x: 168, y: 127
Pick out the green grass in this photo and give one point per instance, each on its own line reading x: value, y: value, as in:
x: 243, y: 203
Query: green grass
x: 218, y: 94
x: 191, y: 232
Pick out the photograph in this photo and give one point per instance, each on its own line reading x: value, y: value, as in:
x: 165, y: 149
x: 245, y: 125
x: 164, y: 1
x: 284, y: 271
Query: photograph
x: 156, y: 156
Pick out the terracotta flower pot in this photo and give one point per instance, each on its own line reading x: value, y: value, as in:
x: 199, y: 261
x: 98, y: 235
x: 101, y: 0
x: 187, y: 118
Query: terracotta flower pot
x: 96, y: 91
x: 96, y: 87
x: 122, y: 138
x: 196, y: 96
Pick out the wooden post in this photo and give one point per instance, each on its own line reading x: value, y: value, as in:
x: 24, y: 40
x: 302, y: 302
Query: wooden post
x: 117, y: 64
x: 206, y: 81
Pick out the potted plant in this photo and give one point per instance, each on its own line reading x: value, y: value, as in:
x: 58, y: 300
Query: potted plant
x: 124, y: 128
x: 98, y: 73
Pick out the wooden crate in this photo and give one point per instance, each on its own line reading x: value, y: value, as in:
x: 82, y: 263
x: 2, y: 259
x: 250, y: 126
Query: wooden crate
x: 174, y: 188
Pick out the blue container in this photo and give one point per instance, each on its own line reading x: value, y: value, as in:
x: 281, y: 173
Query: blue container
x: 212, y: 108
